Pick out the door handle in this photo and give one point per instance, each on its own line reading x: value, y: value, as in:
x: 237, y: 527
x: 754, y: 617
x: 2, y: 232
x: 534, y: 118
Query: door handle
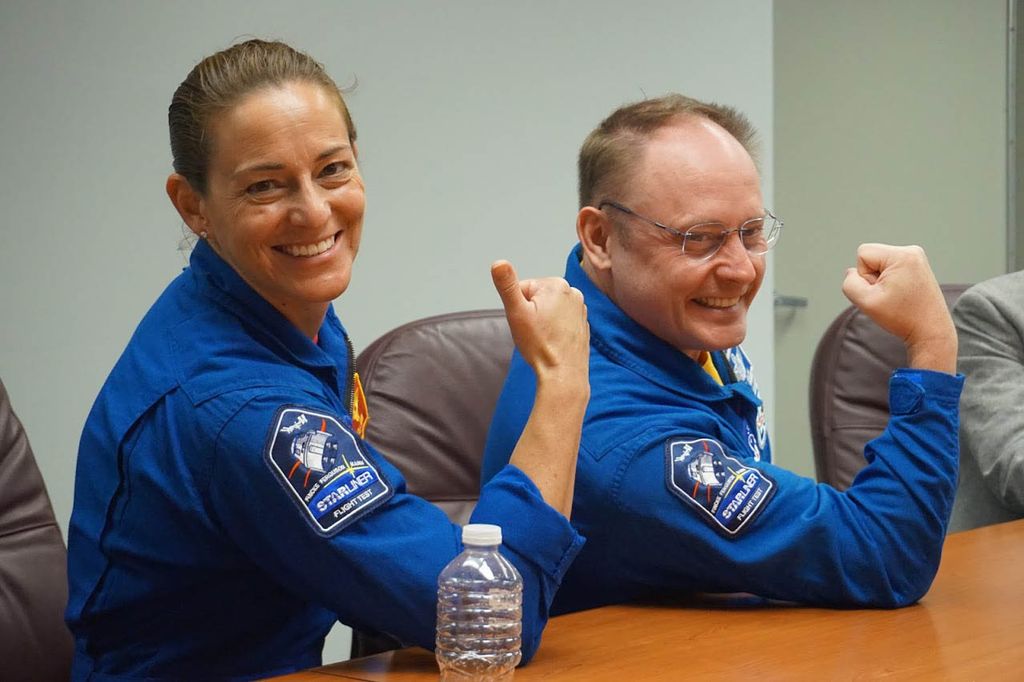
x: 783, y: 301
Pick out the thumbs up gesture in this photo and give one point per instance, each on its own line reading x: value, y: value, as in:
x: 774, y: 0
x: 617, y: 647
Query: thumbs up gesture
x: 548, y: 320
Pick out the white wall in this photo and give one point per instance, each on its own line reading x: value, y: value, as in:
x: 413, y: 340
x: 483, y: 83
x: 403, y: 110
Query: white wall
x: 890, y: 125
x: 469, y: 114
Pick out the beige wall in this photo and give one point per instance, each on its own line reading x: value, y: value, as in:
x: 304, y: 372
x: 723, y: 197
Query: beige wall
x: 1015, y: 258
x: 890, y: 125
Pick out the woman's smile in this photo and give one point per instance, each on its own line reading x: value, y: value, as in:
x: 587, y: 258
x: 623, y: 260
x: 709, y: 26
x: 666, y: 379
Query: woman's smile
x: 308, y: 250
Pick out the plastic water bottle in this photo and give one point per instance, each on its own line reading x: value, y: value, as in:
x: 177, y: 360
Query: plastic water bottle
x: 479, y: 611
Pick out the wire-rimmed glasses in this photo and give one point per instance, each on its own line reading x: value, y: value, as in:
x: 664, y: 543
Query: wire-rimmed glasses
x: 703, y: 241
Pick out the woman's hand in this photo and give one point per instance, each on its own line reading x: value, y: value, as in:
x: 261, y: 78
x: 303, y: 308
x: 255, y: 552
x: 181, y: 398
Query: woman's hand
x: 548, y: 320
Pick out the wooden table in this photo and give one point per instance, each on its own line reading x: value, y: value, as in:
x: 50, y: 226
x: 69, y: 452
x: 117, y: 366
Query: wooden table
x: 970, y: 626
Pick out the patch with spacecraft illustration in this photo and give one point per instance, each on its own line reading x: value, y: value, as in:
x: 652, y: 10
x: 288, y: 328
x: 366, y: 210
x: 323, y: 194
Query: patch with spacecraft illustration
x: 726, y: 493
x: 321, y: 465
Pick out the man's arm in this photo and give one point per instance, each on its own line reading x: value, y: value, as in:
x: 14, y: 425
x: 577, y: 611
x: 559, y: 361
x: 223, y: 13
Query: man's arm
x: 990, y: 320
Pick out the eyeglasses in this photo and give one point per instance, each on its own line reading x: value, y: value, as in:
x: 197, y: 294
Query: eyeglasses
x: 703, y: 241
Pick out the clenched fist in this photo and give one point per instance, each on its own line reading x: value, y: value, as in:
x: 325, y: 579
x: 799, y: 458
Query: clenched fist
x: 895, y: 287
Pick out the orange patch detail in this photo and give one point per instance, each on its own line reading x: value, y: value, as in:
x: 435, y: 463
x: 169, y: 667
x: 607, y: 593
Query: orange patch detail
x: 360, y: 412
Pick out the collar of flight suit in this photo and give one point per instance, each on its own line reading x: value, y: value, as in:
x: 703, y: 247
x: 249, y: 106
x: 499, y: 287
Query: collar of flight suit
x: 219, y: 281
x: 614, y: 334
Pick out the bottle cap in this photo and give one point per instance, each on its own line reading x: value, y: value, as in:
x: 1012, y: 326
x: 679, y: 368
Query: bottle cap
x: 481, y: 534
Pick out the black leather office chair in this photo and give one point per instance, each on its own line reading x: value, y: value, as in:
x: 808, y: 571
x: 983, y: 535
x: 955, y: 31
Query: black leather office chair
x: 849, y: 390
x: 431, y: 387
x: 34, y: 642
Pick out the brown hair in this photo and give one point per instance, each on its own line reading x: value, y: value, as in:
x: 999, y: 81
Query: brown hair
x: 220, y: 81
x: 611, y: 151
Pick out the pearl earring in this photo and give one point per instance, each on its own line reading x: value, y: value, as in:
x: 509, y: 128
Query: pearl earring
x: 203, y: 235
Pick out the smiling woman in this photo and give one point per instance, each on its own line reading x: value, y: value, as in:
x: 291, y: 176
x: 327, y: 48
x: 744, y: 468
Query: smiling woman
x: 284, y: 199
x: 227, y: 509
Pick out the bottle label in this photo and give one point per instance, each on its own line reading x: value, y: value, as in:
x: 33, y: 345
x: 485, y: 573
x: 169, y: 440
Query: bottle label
x: 323, y: 468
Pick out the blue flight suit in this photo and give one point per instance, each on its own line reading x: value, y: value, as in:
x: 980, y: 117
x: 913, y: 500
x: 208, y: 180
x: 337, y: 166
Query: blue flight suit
x: 676, y: 494
x: 226, y: 515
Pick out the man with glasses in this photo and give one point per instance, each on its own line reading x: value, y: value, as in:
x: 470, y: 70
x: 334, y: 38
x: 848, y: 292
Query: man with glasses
x: 675, y: 489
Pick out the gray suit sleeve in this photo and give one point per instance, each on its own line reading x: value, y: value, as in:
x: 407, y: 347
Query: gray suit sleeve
x: 990, y: 323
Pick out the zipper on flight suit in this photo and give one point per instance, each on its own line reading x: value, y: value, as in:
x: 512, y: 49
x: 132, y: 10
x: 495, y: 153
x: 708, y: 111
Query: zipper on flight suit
x: 350, y: 390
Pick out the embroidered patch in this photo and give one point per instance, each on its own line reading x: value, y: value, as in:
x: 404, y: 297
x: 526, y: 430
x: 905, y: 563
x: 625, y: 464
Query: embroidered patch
x: 742, y: 370
x: 755, y: 451
x: 320, y: 464
x: 762, y: 428
x: 359, y: 409
x: 739, y: 364
x: 727, y: 494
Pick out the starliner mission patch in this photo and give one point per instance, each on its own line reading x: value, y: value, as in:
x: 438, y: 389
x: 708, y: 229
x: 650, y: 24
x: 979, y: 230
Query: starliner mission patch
x: 321, y: 465
x: 726, y: 493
